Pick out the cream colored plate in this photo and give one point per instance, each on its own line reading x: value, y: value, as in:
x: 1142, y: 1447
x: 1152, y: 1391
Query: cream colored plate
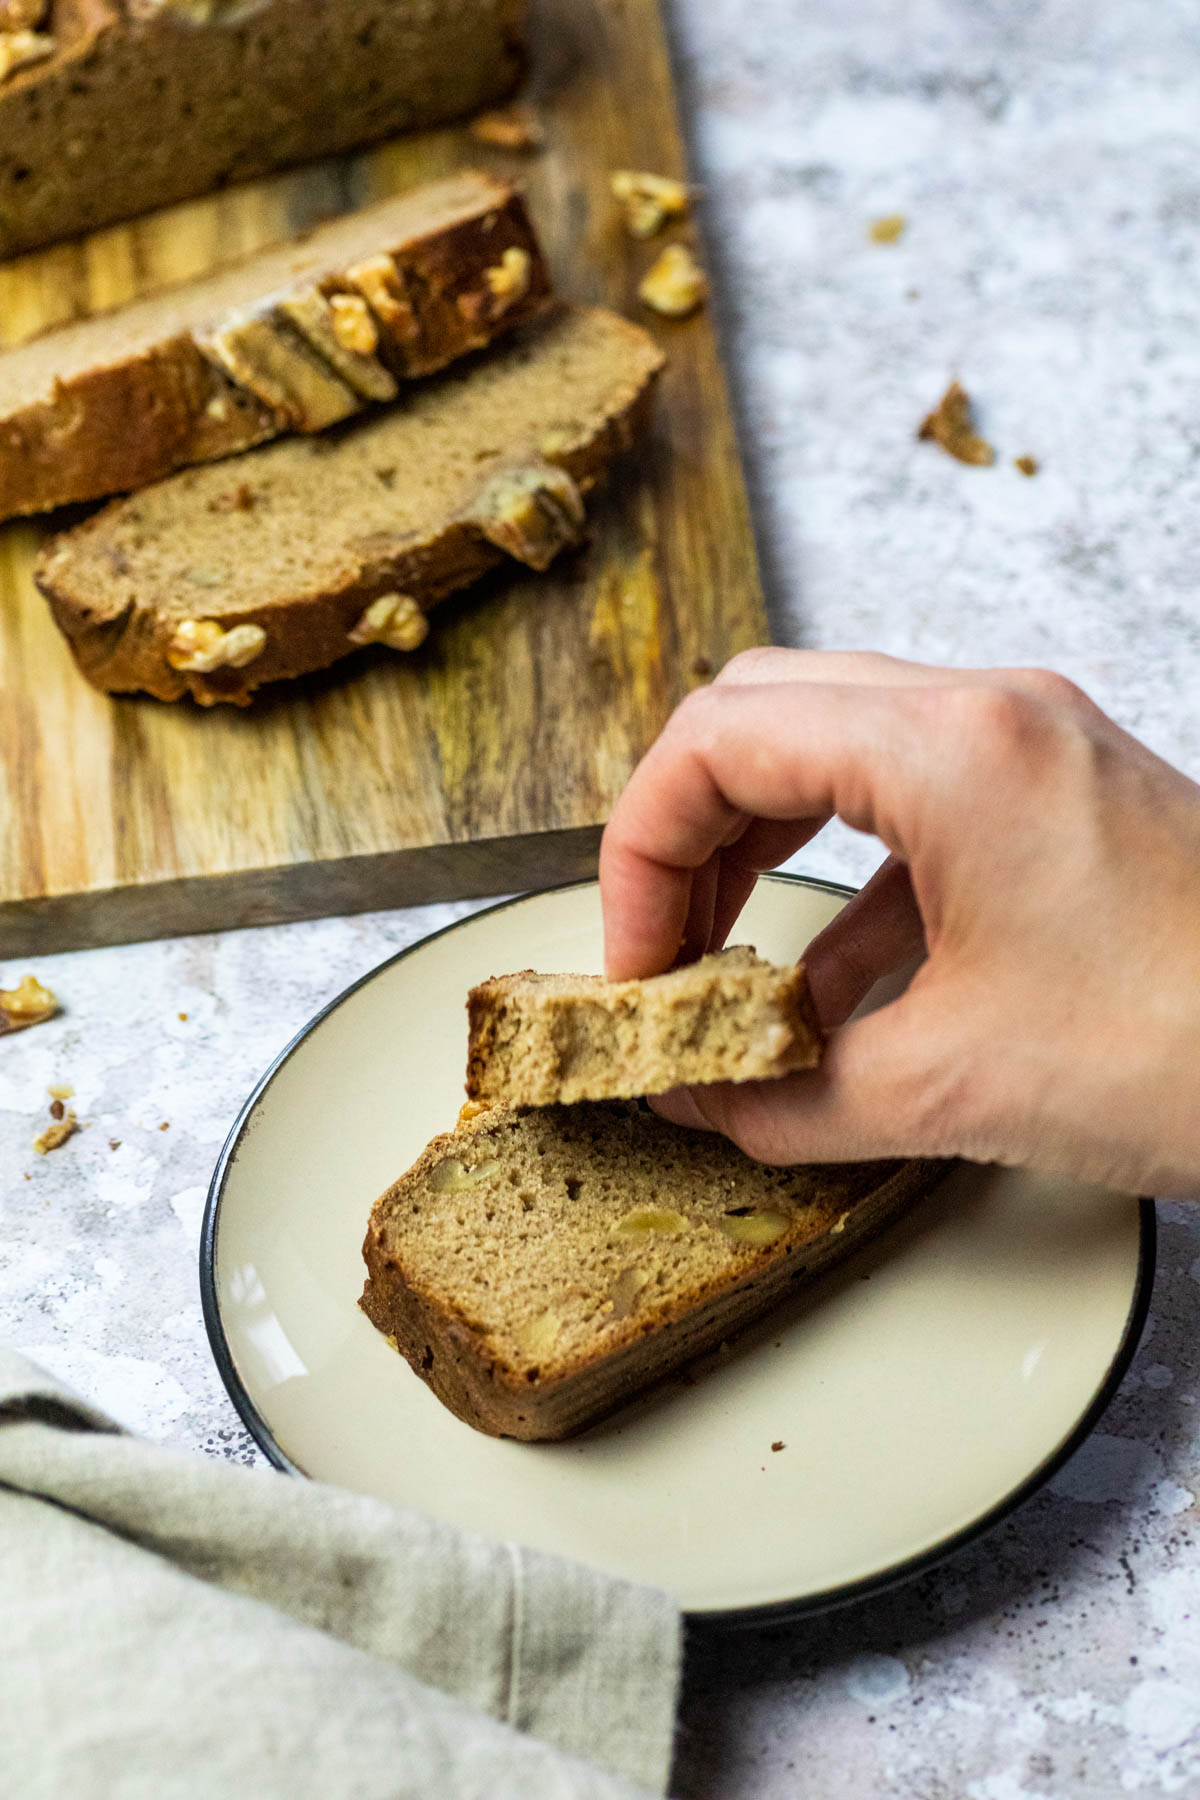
x: 919, y: 1391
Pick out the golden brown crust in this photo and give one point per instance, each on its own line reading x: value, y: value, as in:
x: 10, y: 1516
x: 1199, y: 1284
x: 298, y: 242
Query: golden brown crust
x: 197, y: 396
x: 138, y: 106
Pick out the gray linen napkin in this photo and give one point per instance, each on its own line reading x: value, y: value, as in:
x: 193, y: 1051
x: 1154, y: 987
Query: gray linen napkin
x: 174, y: 1626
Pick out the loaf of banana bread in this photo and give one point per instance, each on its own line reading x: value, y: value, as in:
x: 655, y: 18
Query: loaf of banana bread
x: 111, y: 107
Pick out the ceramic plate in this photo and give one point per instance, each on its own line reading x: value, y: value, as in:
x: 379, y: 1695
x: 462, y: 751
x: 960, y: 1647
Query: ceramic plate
x: 919, y: 1391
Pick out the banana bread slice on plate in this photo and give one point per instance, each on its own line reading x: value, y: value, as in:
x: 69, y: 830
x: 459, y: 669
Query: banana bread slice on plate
x: 538, y: 1267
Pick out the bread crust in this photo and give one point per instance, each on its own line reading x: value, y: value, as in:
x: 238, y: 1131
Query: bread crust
x: 141, y: 105
x: 133, y: 419
x: 461, y: 1362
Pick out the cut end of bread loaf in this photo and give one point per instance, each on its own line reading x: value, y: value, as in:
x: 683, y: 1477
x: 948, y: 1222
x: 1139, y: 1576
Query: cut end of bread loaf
x: 539, y: 1267
x: 541, y: 1040
x: 310, y: 547
x: 134, y: 104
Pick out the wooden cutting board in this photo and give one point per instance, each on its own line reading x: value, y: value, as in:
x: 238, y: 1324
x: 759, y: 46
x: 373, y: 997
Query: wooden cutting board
x: 489, y: 760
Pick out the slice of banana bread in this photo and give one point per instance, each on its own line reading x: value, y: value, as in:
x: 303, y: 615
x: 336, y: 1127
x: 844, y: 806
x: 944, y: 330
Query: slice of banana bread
x: 540, y: 1266
x: 292, y: 339
x: 535, y: 1040
x: 225, y: 577
x: 110, y: 107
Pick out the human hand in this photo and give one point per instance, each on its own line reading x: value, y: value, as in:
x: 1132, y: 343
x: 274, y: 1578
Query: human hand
x: 1045, y: 863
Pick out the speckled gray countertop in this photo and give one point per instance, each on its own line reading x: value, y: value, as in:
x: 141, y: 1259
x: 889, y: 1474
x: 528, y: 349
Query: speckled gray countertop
x: 1045, y: 157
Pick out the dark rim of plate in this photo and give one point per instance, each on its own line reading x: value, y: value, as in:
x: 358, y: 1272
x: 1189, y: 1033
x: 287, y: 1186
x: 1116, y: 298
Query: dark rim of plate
x: 772, y: 1612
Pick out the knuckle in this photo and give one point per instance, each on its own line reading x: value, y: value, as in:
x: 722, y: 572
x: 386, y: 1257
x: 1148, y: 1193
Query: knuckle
x: 750, y: 665
x: 693, y: 718
x: 992, y: 721
x: 1052, y: 688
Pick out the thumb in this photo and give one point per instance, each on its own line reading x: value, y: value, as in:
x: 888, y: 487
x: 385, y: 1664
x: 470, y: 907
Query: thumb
x: 889, y: 1085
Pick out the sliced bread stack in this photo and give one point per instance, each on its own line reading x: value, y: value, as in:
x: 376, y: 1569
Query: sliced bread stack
x: 544, y: 1262
x: 295, y: 338
x: 281, y: 561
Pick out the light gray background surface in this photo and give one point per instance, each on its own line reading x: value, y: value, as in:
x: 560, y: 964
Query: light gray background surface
x: 1045, y: 156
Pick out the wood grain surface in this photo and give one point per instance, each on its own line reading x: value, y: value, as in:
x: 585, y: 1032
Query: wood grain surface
x: 489, y: 760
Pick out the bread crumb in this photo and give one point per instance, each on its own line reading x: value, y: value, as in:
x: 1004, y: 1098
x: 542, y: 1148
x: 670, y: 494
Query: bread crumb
x: 887, y: 230
x: 114, y: 1143
x: 182, y: 1017
x: 1028, y: 465
x: 56, y: 1134
x: 165, y: 1126
x: 779, y: 1444
x: 952, y: 426
x: 62, y: 1090
x: 509, y: 128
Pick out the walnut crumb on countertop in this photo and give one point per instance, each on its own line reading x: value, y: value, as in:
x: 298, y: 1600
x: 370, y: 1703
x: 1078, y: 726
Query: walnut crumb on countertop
x: 952, y: 426
x: 57, y: 1133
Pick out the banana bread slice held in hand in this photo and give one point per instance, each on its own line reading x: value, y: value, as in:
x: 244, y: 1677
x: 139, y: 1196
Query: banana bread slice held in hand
x: 536, y: 1040
x: 226, y: 577
x: 294, y: 338
x: 540, y: 1266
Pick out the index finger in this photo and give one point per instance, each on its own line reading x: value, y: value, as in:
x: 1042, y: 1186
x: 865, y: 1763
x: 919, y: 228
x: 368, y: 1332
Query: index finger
x: 800, y: 752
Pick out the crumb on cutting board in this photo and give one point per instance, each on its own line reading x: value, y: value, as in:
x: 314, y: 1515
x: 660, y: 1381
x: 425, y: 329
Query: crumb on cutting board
x: 1028, y: 465
x: 649, y: 201
x: 951, y: 425
x: 675, y: 284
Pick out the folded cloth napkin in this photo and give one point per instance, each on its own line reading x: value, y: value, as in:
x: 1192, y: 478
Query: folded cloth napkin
x: 175, y: 1626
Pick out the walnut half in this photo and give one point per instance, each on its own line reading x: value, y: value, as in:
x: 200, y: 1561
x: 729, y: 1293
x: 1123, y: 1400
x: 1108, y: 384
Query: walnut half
x: 29, y: 1003
x: 201, y: 645
x: 531, y: 513
x: 395, y: 620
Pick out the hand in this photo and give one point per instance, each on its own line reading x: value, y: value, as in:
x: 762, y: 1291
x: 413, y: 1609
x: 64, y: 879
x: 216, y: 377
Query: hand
x: 1045, y: 864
